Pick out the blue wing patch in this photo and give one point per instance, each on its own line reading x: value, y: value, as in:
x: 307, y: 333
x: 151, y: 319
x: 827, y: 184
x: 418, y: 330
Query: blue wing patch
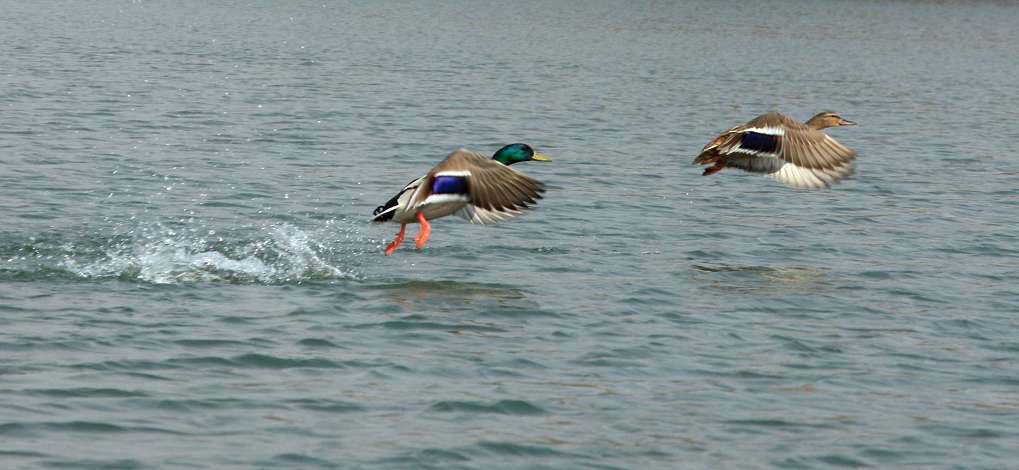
x: 759, y: 142
x: 449, y: 185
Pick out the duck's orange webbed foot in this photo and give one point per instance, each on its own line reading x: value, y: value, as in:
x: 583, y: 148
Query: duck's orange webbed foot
x: 391, y: 247
x: 426, y: 230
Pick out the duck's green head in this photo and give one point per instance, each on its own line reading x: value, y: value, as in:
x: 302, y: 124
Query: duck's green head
x: 516, y: 153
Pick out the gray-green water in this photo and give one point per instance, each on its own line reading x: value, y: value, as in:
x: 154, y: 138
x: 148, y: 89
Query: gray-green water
x: 187, y: 278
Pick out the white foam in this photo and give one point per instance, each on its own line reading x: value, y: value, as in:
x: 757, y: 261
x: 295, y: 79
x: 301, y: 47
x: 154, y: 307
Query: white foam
x: 287, y: 254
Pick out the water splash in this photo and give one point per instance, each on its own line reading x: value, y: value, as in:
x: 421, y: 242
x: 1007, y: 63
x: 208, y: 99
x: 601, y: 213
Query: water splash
x: 276, y: 254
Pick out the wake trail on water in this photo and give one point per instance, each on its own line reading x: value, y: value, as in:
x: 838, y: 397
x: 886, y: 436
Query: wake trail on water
x: 278, y: 253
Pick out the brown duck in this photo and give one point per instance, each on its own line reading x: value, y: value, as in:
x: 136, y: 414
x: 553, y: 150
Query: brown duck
x: 797, y: 154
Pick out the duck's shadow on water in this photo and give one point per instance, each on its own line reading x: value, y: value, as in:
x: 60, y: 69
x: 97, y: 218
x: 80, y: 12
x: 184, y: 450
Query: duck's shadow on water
x: 414, y: 289
x: 761, y: 279
x: 456, y: 298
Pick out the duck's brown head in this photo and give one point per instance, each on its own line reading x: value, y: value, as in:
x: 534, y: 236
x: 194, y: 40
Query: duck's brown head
x: 828, y: 119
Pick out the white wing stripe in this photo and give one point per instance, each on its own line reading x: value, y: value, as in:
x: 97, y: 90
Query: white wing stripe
x: 453, y: 173
x: 755, y: 153
x: 441, y: 198
x: 765, y: 130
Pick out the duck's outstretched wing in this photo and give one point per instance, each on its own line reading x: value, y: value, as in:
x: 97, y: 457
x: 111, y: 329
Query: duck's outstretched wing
x: 493, y: 191
x: 783, y: 148
x: 476, y: 215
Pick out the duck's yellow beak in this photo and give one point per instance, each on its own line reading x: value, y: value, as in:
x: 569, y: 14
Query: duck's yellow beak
x: 538, y: 156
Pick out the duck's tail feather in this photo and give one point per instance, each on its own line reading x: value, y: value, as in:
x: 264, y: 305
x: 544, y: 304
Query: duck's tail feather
x: 385, y: 212
x: 710, y: 156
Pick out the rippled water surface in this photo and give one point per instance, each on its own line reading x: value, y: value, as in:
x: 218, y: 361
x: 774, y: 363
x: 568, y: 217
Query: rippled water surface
x: 187, y: 278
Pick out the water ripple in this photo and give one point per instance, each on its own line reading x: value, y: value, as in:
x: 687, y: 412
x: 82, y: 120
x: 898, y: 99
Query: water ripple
x: 509, y: 407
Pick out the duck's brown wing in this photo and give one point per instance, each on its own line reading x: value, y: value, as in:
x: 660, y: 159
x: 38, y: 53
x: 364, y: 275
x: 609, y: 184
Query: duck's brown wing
x: 783, y: 148
x: 493, y: 191
x: 813, y: 159
x: 730, y: 141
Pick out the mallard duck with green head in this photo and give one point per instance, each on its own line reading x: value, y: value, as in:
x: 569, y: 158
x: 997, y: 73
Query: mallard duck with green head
x: 481, y: 189
x: 797, y: 154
